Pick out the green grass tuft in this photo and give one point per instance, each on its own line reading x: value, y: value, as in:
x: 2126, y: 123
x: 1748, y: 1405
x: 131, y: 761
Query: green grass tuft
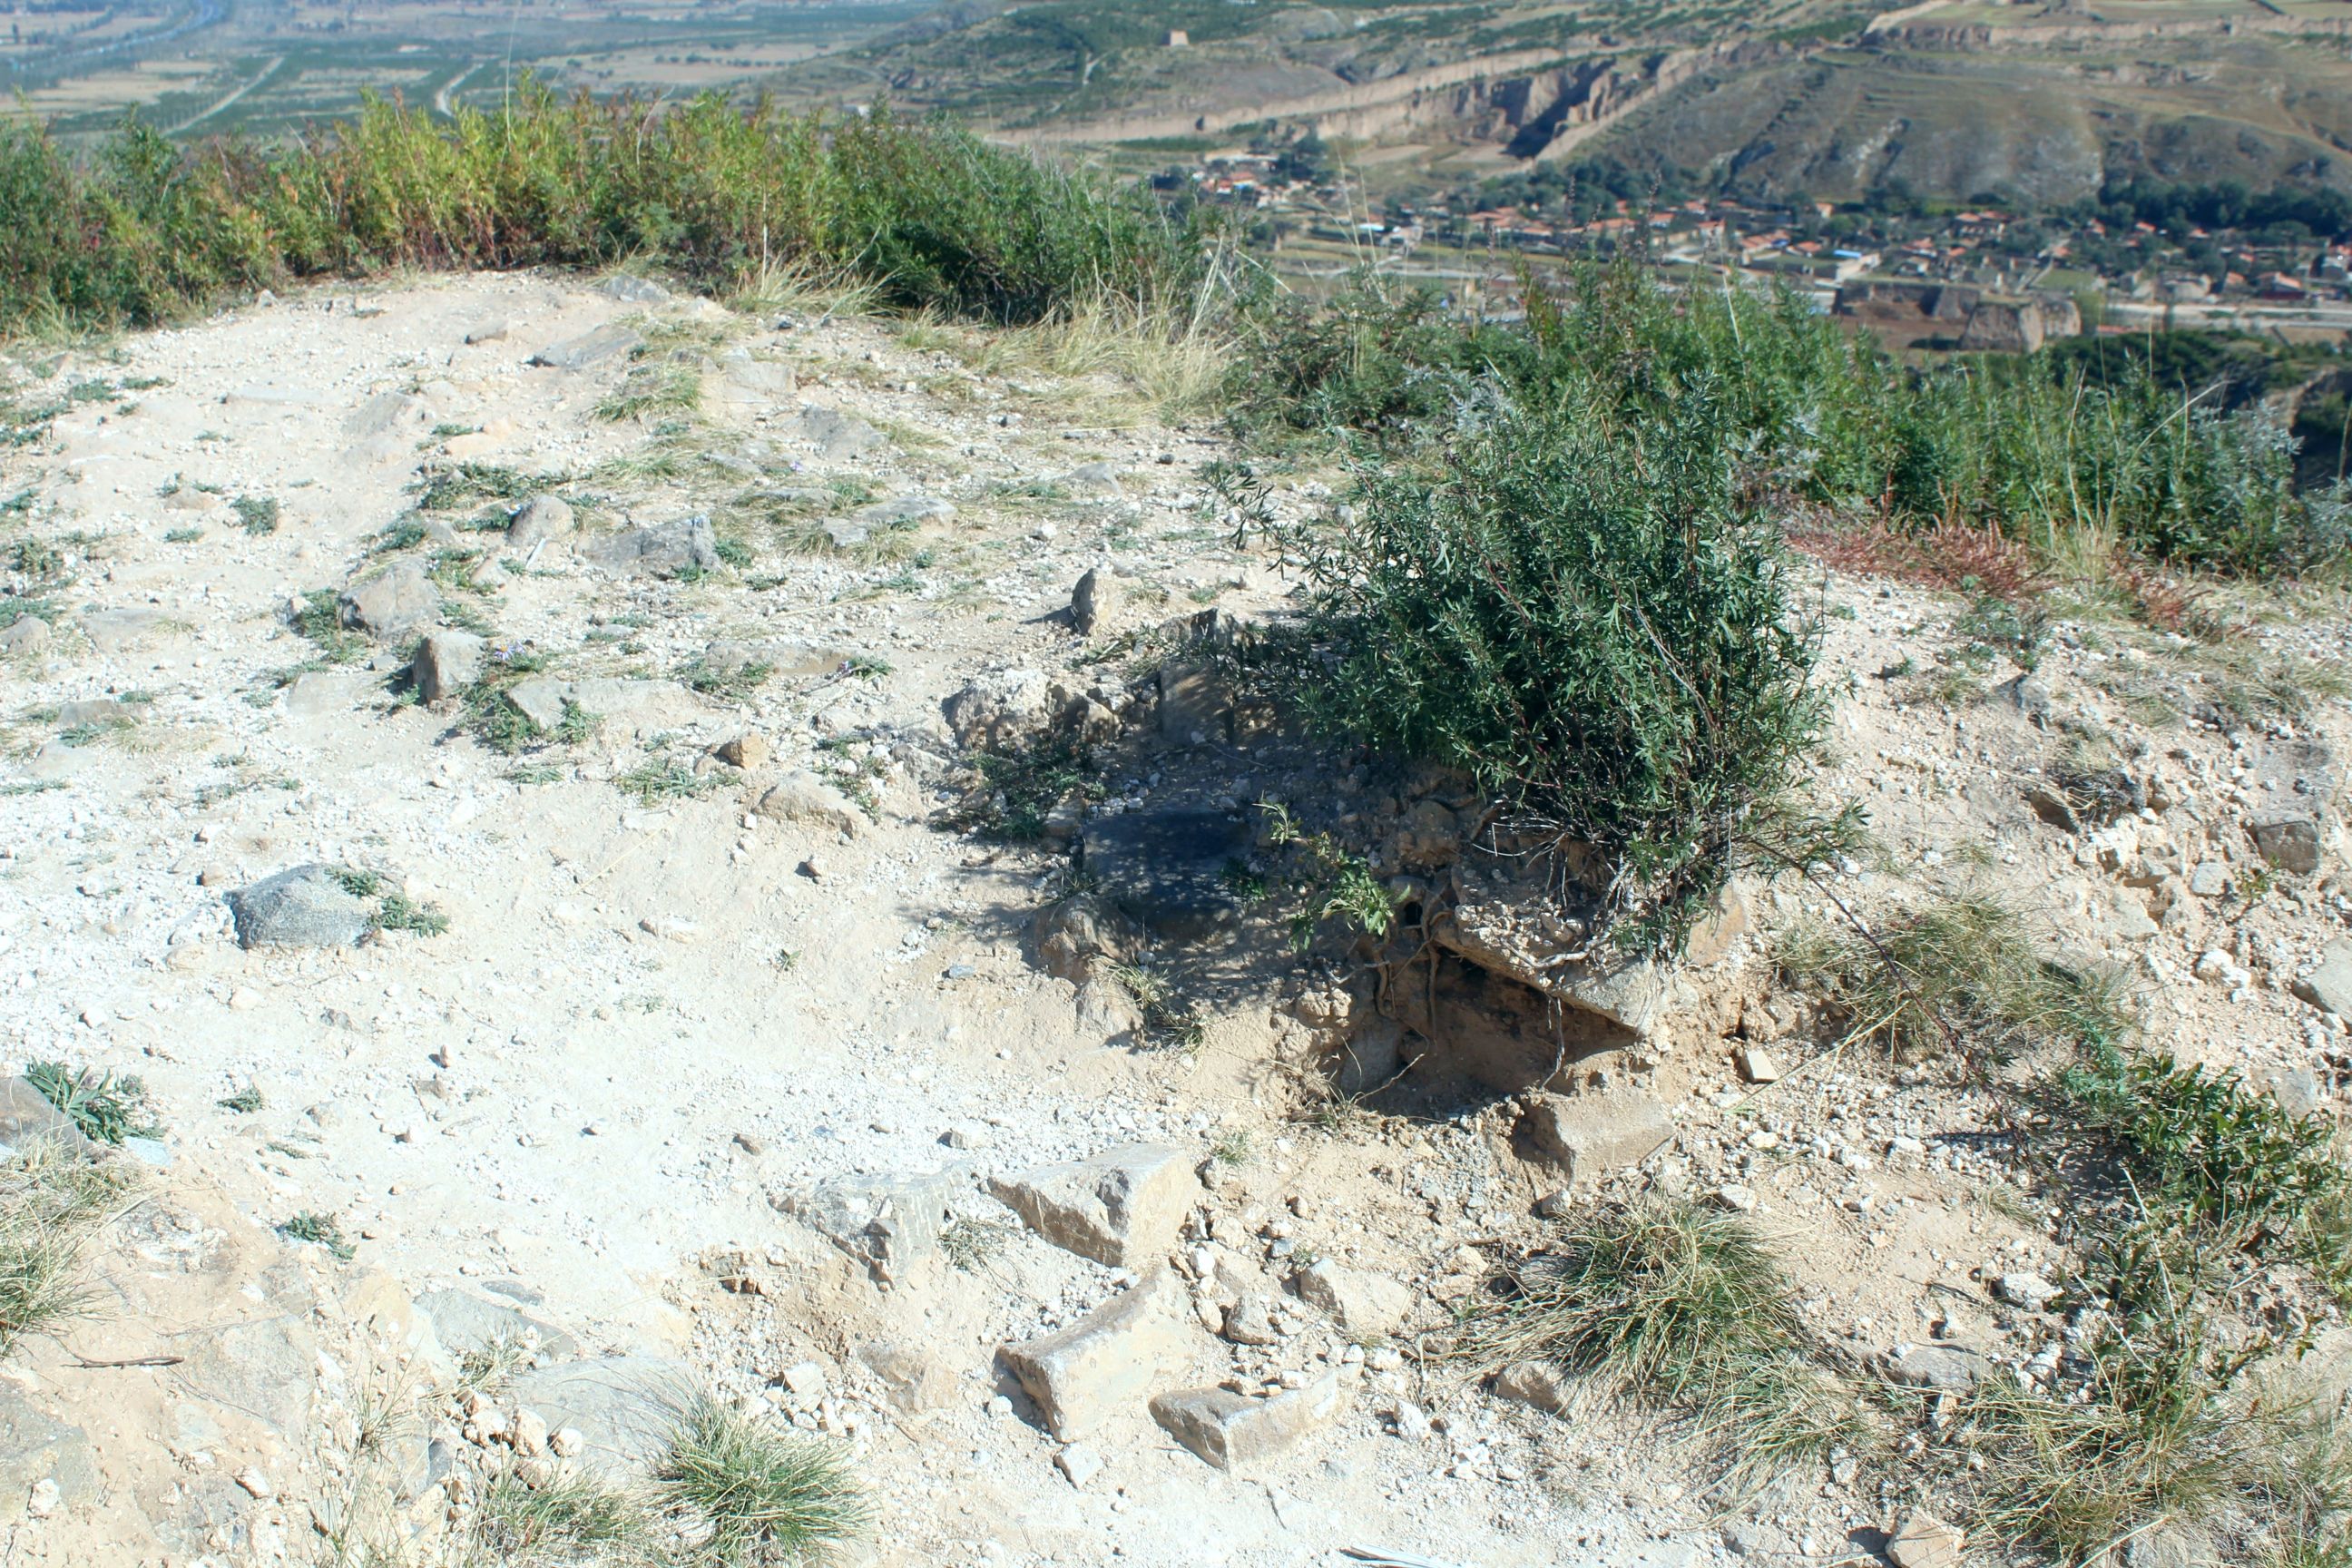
x: 1962, y: 972
x: 757, y: 1495
x: 318, y: 1230
x: 1678, y: 1309
x: 653, y: 781
x: 105, y: 1107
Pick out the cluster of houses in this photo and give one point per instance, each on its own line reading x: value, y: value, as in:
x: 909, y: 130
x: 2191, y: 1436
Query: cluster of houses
x: 1986, y: 250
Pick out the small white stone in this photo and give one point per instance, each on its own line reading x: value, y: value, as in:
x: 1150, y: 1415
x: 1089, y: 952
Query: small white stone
x: 256, y: 1483
x: 1080, y: 1463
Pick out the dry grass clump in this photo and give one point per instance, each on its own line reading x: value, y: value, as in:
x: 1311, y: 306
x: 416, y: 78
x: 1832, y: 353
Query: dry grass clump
x: 1961, y: 973
x: 53, y: 1199
x: 2168, y: 1436
x: 1678, y: 1309
x: 568, y: 1519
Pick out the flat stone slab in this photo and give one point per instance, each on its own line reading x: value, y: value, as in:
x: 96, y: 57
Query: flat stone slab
x: 36, y: 1448
x: 1358, y: 1300
x: 1234, y: 1432
x: 623, y: 1406
x: 462, y: 1322
x: 591, y: 348
x: 1121, y: 1208
x: 837, y: 437
x: 1589, y: 1135
x: 1106, y: 1361
x: 687, y: 544
x: 1945, y: 1368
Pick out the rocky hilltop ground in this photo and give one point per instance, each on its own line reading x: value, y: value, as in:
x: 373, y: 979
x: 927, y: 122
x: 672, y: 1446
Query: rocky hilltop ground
x: 494, y: 757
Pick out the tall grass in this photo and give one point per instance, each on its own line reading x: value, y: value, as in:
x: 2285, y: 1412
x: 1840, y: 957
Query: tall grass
x: 927, y: 215
x: 1824, y: 419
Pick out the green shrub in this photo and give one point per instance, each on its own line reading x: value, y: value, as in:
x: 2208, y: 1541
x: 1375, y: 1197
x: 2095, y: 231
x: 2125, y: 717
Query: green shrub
x: 1591, y: 620
x: 145, y: 230
x: 2037, y: 446
x: 2208, y: 1156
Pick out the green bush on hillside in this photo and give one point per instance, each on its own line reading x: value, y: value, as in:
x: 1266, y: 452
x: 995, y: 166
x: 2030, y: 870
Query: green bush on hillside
x: 1589, y: 618
x: 2036, y: 446
x: 145, y: 230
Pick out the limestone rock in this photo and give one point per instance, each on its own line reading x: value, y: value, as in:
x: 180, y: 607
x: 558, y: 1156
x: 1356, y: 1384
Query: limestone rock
x: 801, y: 796
x: 1926, y: 1542
x: 618, y: 1408
x: 589, y: 349
x: 462, y: 1322
x: 1122, y: 1207
x: 1234, y: 1432
x: 1946, y: 1368
x: 26, y: 633
x: 2329, y: 986
x: 886, y: 1224
x: 2289, y: 842
x: 1250, y: 1320
x: 2021, y: 1289
x: 1073, y: 933
x: 447, y: 663
x: 1004, y: 707
x: 264, y: 1366
x: 27, y: 1119
x: 882, y: 516
x: 542, y: 517
x: 747, y: 751
x: 1363, y: 1303
x: 753, y: 382
x: 303, y: 907
x: 687, y: 544
x: 1108, y: 1359
x: 1095, y: 602
x: 36, y: 1449
x: 1100, y: 480
x: 1108, y: 1010
x: 397, y: 602
x: 1080, y: 1462
x: 1757, y: 1065
x: 1535, y: 1383
x: 1589, y: 1135
x: 631, y: 289
x: 1513, y: 926
x: 837, y: 437
x: 913, y: 1378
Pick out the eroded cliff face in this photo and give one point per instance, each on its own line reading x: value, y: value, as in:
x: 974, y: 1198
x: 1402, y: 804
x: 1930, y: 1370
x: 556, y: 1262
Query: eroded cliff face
x: 1533, y: 103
